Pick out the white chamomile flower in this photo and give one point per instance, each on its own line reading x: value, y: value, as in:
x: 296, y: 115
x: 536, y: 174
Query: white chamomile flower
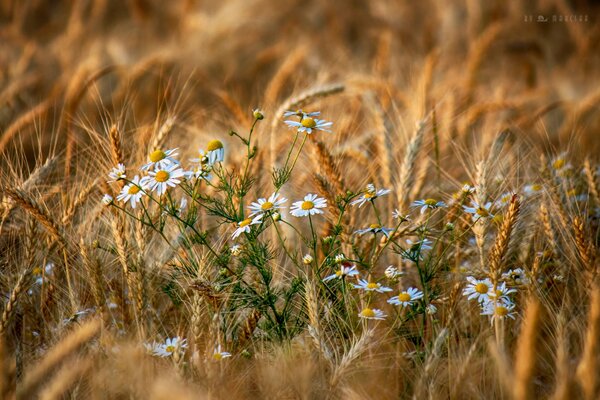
x: 133, y: 191
x: 301, y: 114
x: 235, y: 250
x: 533, y: 189
x: 199, y: 172
x: 219, y: 354
x: 161, y: 179
x: 498, y: 310
x: 117, y: 173
x: 244, y: 226
x: 215, y: 151
x: 153, y: 348
x: 170, y: 346
x: 407, y: 297
x: 372, y: 313
x: 370, y: 194
x: 478, y: 289
x: 161, y: 159
x: 202, y: 158
x: 375, y: 229
x: 107, y: 199
x: 311, y: 205
x: 419, y: 245
x: 426, y: 204
x: 346, y: 269
x: 479, y: 211
x: 467, y: 189
x: 261, y: 206
x: 517, y: 276
x: 307, y: 259
x: 397, y: 214
x: 501, y: 293
x: 392, y: 272
x: 504, y: 199
x: 372, y: 286
x: 309, y: 124
x: 560, y: 163
x: 339, y: 258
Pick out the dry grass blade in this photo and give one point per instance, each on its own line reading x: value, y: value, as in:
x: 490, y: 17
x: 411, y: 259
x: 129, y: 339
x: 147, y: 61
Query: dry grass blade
x: 526, y: 353
x: 65, y: 378
x: 587, y: 370
x: 57, y: 355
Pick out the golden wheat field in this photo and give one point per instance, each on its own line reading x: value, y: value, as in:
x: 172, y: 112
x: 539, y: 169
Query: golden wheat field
x: 247, y: 199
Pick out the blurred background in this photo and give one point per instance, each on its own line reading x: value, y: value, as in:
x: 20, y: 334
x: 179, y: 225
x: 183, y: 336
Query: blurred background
x: 70, y: 69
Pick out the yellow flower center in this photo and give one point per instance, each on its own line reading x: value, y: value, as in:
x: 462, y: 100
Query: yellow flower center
x: 430, y: 202
x: 404, y: 297
x: 536, y: 187
x: 372, y: 285
x: 218, y: 356
x: 308, y: 122
x: 157, y: 155
x: 482, y: 212
x: 338, y: 273
x: 37, y: 271
x: 367, y: 312
x: 307, y: 205
x: 162, y: 176
x: 267, y: 205
x: 245, y: 222
x: 170, y: 349
x: 558, y: 164
x: 214, y: 145
x: 133, y: 189
x: 374, y: 226
x: 498, y: 218
x: 498, y: 293
x: 501, y: 311
x: 572, y: 192
x: 369, y: 195
x: 481, y: 288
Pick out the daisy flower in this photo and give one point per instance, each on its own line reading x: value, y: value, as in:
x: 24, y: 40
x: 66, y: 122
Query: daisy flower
x: 311, y: 205
x: 370, y: 194
x: 504, y: 199
x: 107, y: 199
x: 160, y: 179
x: 171, y: 346
x: 219, y: 354
x: 406, y: 298
x: 517, y: 276
x: 262, y: 205
x: 309, y: 124
x: 371, y: 286
x: 375, y: 229
x: 397, y: 214
x: 133, y: 191
x: 244, y: 226
x: 431, y: 204
x: 560, y: 162
x: 235, y: 250
x: 479, y: 211
x: 392, y: 272
x: 346, y: 269
x: 160, y: 159
x: 117, y: 173
x: 301, y: 114
x: 478, y: 289
x: 501, y: 293
x: 215, y: 151
x: 499, y: 310
x: 530, y: 190
x: 307, y: 259
x: 374, y: 313
x: 153, y: 348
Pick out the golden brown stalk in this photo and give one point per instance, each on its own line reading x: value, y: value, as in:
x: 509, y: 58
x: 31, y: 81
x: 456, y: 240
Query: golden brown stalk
x: 477, y: 54
x: 9, y: 307
x: 7, y: 372
x: 502, y: 240
x: 24, y: 120
x: 162, y: 133
x: 27, y: 203
x: 329, y: 168
x: 361, y: 344
x: 592, y: 182
x: 526, y: 352
x: 82, y: 196
x: 93, y: 270
x: 118, y: 229
x: 249, y: 326
x: 287, y: 68
x: 584, y: 248
x: 407, y: 169
x: 65, y: 378
x: 587, y: 370
x: 57, y: 355
x: 116, y: 149
x: 564, y: 383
